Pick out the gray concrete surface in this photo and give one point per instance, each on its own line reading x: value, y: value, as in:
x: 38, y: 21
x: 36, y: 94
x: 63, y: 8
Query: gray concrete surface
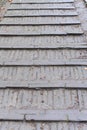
x: 43, y: 65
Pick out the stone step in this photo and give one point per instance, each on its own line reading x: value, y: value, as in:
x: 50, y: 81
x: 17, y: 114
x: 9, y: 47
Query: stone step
x: 45, y: 115
x: 43, y: 57
x: 40, y: 99
x: 43, y: 69
x: 52, y: 99
x: 42, y: 125
x: 66, y: 6
x: 77, y: 84
x: 40, y: 30
x: 43, y: 77
x: 41, y: 13
x: 43, y: 1
x: 59, y: 62
x: 40, y: 21
x: 55, y: 115
x: 43, y: 42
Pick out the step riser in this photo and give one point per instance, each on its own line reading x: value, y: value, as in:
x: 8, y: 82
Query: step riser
x: 43, y: 42
x: 43, y: 57
x: 42, y: 125
x: 40, y: 21
x: 40, y: 30
x: 40, y: 99
x: 43, y: 77
x: 43, y: 66
x: 41, y: 6
x: 39, y: 13
x: 53, y: 99
x: 46, y: 115
x: 43, y: 1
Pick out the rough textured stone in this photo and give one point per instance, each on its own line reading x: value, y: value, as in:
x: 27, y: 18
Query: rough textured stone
x: 45, y: 115
x: 42, y: 125
x: 39, y: 73
x: 50, y: 58
x: 43, y: 57
x: 40, y: 30
x: 39, y: 13
x: 71, y: 41
x: 58, y: 116
x: 43, y: 66
x: 47, y: 6
x: 43, y: 1
x: 40, y: 21
x: 43, y: 76
x: 39, y: 99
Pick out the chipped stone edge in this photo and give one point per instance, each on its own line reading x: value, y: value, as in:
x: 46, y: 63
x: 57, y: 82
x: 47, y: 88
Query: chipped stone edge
x: 43, y: 115
x: 77, y: 84
x: 44, y: 46
x: 60, y: 62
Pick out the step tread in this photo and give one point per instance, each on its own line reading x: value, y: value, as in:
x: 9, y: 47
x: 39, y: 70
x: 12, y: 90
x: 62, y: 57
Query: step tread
x: 66, y: 6
x: 40, y: 30
x: 43, y: 76
x: 42, y: 125
x: 53, y: 99
x: 43, y: 57
x: 40, y: 21
x: 45, y: 115
x: 38, y: 13
x: 43, y: 1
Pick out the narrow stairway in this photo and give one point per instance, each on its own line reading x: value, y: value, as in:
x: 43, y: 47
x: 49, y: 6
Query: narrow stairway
x: 43, y: 67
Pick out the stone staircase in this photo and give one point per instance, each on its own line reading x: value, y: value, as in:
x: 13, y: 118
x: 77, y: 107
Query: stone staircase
x: 43, y: 67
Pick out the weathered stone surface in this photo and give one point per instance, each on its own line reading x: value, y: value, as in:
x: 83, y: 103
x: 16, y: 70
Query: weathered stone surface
x: 55, y: 115
x: 40, y: 21
x: 43, y: 67
x: 43, y: 77
x: 45, y: 115
x: 77, y: 84
x: 4, y: 125
x: 42, y: 46
x: 43, y: 1
x: 40, y: 30
x: 43, y: 57
x: 72, y: 41
x: 52, y: 6
x: 82, y: 10
x: 39, y: 13
x: 43, y: 73
x: 42, y: 125
x: 56, y: 99
x: 9, y: 115
x: 82, y: 99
